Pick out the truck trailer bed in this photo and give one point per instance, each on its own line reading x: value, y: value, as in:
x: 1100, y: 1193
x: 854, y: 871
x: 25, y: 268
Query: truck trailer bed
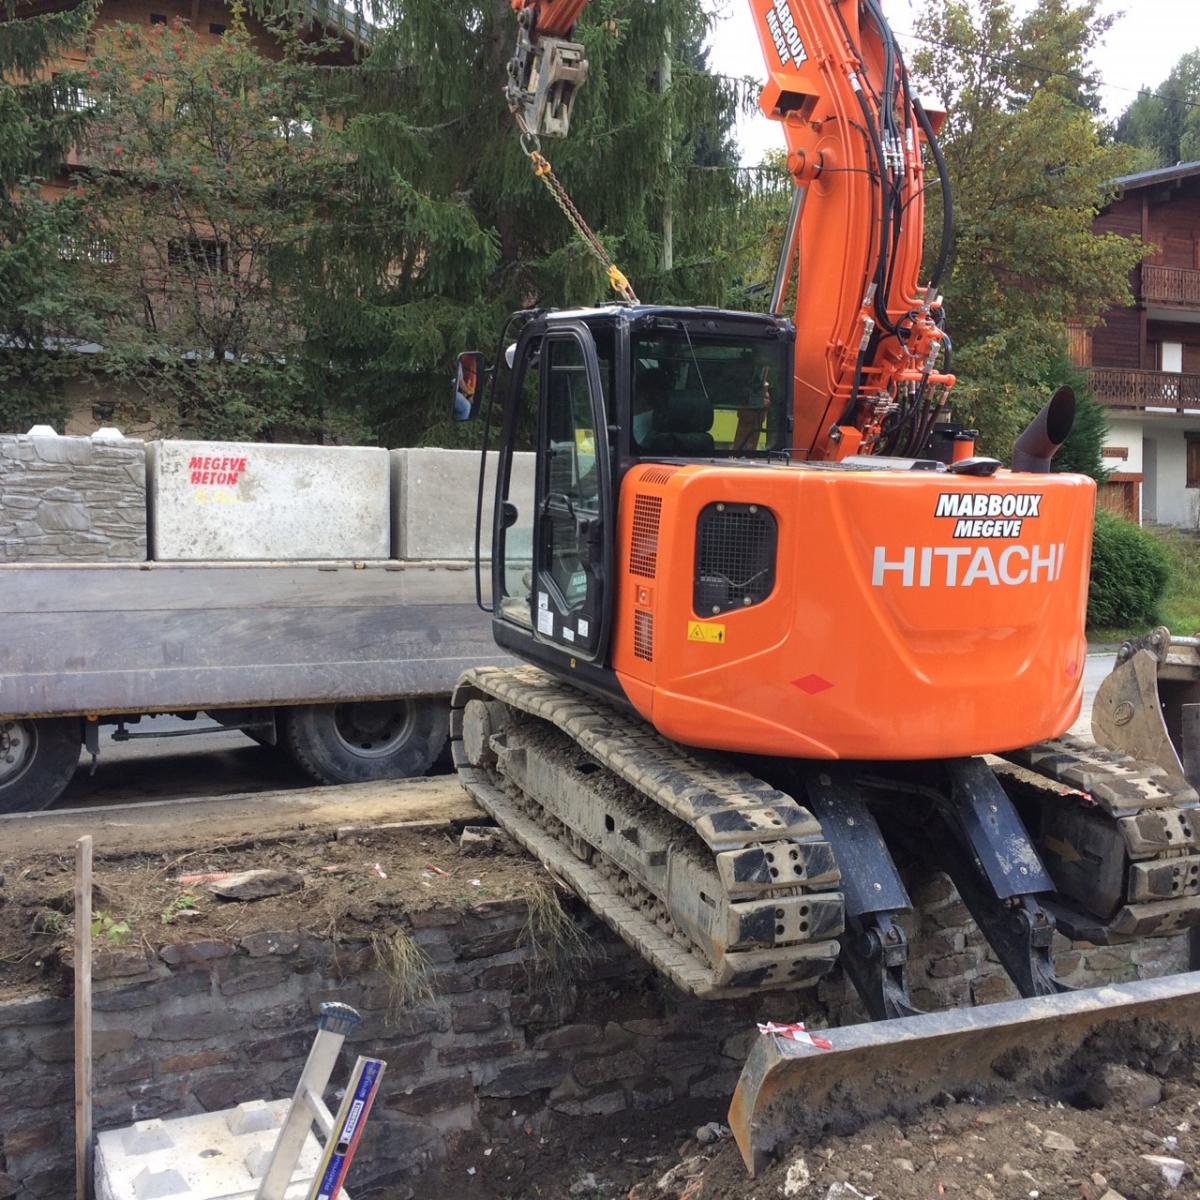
x: 158, y: 637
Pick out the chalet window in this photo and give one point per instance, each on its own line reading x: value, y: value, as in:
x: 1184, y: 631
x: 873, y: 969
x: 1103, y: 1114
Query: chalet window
x: 70, y: 97
x: 73, y: 249
x: 157, y: 19
x: 1170, y: 357
x: 1193, y: 460
x: 1079, y: 345
x: 206, y: 253
x: 216, y: 29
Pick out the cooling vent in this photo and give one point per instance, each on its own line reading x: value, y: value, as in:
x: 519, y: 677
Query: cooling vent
x: 643, y: 636
x: 657, y: 475
x: 735, y: 557
x: 643, y: 544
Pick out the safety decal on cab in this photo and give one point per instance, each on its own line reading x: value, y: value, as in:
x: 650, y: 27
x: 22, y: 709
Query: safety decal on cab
x: 706, y: 631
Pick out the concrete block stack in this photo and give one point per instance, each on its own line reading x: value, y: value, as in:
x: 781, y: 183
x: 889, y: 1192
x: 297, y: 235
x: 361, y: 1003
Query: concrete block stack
x: 256, y: 502
x: 434, y: 495
x: 72, y: 499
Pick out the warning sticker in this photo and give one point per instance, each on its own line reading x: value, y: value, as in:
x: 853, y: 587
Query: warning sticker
x: 706, y: 631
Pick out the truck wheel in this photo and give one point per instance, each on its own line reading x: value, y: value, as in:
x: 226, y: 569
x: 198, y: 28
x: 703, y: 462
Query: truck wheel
x: 373, y: 739
x: 37, y: 760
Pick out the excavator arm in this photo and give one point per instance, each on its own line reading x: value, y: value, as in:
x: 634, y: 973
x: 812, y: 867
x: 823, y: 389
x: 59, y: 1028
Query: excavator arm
x: 869, y: 338
x: 547, y: 68
x: 870, y: 344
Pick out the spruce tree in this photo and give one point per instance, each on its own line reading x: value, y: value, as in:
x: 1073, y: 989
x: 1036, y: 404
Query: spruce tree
x: 434, y: 265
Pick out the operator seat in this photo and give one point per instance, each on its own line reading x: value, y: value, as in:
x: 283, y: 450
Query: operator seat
x: 681, y: 427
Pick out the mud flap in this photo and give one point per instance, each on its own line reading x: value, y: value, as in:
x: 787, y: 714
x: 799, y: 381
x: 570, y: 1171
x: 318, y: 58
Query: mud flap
x: 788, y: 1090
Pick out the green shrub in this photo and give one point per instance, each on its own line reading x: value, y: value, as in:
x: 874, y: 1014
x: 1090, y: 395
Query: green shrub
x: 1130, y: 569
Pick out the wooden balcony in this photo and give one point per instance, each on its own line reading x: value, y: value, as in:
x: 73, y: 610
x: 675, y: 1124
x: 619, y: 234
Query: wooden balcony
x: 1177, y: 286
x: 1142, y: 390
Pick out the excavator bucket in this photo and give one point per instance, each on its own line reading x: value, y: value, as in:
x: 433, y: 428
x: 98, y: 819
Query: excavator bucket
x: 885, y: 1068
x: 1149, y: 707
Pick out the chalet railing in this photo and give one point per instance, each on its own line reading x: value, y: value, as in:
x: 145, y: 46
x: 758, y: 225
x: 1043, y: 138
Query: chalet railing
x: 1145, y: 389
x: 1171, y: 285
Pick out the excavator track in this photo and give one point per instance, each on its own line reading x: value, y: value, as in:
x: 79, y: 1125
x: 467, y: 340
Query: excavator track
x: 721, y: 881
x: 1118, y: 835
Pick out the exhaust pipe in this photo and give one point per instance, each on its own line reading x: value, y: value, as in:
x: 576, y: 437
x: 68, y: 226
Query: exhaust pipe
x: 1045, y: 434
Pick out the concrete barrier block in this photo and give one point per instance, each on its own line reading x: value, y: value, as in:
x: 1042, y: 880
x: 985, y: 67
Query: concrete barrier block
x: 433, y: 501
x: 250, y: 501
x: 72, y: 499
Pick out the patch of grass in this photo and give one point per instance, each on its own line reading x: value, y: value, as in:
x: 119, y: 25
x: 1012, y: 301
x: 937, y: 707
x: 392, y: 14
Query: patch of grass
x: 559, y: 946
x: 48, y: 920
x: 406, y: 967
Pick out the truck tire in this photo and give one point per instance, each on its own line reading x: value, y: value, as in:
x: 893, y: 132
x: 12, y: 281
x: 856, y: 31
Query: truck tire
x: 37, y: 760
x: 371, y: 739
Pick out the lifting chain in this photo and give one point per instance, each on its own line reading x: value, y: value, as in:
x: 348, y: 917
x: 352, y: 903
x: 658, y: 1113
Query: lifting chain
x: 532, y: 148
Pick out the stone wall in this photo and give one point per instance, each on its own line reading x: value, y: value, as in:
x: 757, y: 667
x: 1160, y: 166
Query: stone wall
x: 511, y: 1042
x: 72, y: 499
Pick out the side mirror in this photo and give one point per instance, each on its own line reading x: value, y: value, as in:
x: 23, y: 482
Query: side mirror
x: 470, y: 369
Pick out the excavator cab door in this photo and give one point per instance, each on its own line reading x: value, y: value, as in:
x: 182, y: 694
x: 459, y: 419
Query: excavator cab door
x: 572, y: 544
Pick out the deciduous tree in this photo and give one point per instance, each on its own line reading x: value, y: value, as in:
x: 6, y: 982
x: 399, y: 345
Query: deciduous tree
x: 1030, y: 172
x: 43, y: 314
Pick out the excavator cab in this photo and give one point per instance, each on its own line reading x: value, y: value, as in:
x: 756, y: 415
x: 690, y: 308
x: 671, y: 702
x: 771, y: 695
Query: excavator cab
x: 588, y: 395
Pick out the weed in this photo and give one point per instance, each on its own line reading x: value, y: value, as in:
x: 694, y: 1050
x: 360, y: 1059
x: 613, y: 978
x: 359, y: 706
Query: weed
x: 105, y: 925
x: 47, y: 920
x: 406, y: 967
x: 559, y: 946
x: 184, y: 902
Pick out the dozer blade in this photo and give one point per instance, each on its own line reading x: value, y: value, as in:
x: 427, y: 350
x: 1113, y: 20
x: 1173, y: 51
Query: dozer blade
x: 1149, y: 706
x: 896, y: 1067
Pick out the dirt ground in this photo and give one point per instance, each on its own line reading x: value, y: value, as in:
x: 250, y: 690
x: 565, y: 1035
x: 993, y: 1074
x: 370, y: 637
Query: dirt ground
x: 1090, y: 1143
x: 339, y: 882
x: 1092, y: 1135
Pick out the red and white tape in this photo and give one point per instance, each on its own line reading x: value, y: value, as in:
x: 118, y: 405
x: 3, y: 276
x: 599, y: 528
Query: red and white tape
x: 795, y: 1033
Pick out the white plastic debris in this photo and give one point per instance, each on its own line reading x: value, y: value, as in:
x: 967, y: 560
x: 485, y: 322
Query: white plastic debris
x: 1172, y: 1169
x: 797, y: 1179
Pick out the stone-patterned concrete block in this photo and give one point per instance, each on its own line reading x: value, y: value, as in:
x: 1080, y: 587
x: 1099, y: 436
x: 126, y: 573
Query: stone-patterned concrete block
x: 433, y: 502
x: 72, y: 499
x: 255, y: 502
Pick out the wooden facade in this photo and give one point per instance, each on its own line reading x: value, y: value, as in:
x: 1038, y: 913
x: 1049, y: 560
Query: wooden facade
x: 1147, y: 357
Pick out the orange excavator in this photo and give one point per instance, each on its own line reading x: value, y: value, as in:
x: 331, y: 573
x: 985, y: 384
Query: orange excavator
x: 783, y: 625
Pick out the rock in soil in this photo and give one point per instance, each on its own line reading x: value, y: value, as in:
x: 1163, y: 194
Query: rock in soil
x: 480, y: 839
x: 1115, y: 1083
x: 255, y: 885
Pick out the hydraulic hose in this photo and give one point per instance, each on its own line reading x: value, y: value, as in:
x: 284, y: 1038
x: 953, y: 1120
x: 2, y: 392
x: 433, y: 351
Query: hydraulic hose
x: 947, y: 193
